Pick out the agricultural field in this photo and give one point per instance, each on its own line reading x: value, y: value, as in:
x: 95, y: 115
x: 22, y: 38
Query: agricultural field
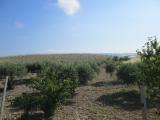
x: 54, y: 57
x: 82, y: 86
x: 79, y: 60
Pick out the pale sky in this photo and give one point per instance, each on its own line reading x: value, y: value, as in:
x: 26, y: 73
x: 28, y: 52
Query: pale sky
x: 76, y: 26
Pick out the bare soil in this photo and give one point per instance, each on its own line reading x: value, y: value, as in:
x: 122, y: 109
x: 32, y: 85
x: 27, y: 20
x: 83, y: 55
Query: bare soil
x: 104, y: 98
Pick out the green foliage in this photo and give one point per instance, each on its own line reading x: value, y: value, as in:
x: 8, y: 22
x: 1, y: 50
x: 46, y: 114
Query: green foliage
x: 3, y: 70
x: 27, y: 101
x: 96, y: 67
x: 127, y: 73
x: 68, y: 72
x: 55, y: 82
x: 10, y: 84
x: 54, y: 85
x: 125, y: 58
x: 52, y: 90
x: 25, y: 116
x: 85, y: 73
x: 110, y: 67
x: 34, y: 67
x: 8, y: 69
x: 150, y: 68
x: 115, y: 58
x: 11, y: 70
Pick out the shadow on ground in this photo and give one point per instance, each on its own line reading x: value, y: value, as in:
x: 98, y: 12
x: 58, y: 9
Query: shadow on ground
x: 129, y: 100
x: 69, y: 102
x: 106, y: 84
x: 16, y: 83
x: 22, y: 82
x: 35, y: 116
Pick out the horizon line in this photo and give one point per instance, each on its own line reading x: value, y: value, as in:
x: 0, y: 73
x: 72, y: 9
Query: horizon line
x: 36, y: 54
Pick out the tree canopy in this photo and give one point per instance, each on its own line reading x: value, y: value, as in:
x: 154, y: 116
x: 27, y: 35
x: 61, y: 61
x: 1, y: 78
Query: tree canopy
x: 150, y: 68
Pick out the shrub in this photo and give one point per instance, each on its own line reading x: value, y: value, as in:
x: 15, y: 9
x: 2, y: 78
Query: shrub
x: 68, y: 72
x: 115, y: 58
x: 53, y: 87
x: 27, y: 102
x: 150, y: 69
x: 127, y: 73
x: 52, y: 90
x: 10, y: 84
x: 12, y: 70
x: 125, y: 58
x: 35, y: 67
x: 96, y: 67
x: 3, y: 70
x: 110, y: 67
x: 85, y: 73
x: 25, y: 117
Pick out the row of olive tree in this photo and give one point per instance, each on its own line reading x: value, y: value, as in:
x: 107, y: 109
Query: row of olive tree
x: 14, y: 70
x: 54, y: 84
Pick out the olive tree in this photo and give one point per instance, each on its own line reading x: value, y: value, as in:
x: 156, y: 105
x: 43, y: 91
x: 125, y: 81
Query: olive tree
x: 85, y: 73
x: 12, y: 70
x: 150, y: 68
x: 52, y: 89
x: 127, y: 73
x: 110, y: 67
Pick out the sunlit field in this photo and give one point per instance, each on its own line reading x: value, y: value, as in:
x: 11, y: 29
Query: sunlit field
x: 96, y: 91
x: 79, y: 60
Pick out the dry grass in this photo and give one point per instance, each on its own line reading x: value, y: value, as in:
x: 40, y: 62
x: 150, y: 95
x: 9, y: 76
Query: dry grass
x: 54, y: 57
x: 134, y: 59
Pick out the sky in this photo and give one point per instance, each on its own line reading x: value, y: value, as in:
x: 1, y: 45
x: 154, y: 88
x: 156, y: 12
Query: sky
x: 76, y: 26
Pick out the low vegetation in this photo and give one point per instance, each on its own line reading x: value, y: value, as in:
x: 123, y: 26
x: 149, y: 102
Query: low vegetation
x: 85, y: 73
x: 110, y: 67
x: 127, y: 73
x: 150, y: 68
x: 54, y: 83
